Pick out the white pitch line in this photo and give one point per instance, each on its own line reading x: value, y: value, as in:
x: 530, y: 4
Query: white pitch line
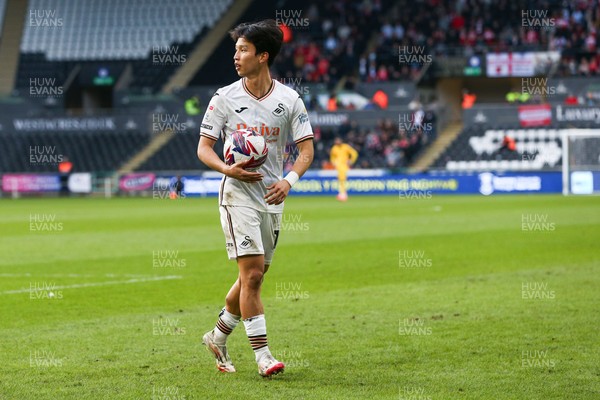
x: 91, y: 284
x: 109, y: 275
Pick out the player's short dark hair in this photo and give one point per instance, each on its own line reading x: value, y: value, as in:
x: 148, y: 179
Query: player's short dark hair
x: 265, y: 35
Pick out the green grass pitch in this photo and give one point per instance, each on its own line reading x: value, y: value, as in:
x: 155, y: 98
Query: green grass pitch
x: 448, y: 297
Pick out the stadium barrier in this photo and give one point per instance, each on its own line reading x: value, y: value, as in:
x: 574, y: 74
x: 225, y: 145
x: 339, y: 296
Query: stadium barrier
x: 367, y: 182
x: 532, y: 115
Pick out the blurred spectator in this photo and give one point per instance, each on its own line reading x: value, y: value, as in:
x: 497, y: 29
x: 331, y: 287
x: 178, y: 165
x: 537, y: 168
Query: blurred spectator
x: 468, y: 99
x: 381, y: 99
x: 332, y: 103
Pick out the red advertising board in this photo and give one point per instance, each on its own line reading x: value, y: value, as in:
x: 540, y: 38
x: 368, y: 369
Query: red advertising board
x: 535, y: 115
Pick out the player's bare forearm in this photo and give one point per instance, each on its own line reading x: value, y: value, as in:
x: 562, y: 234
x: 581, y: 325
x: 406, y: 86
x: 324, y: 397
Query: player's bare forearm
x: 305, y: 157
x: 209, y: 157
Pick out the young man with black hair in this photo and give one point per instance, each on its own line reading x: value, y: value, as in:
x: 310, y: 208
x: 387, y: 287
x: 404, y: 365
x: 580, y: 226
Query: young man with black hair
x: 251, y: 203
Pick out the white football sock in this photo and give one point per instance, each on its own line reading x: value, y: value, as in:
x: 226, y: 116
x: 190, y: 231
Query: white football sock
x: 256, y: 329
x: 225, y: 325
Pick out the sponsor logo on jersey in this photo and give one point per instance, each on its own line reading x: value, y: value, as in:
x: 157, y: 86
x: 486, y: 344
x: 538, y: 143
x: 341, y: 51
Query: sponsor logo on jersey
x: 279, y: 111
x: 246, y: 243
x: 206, y: 126
x: 269, y: 132
x: 208, y: 114
x: 303, y: 118
x: 241, y: 109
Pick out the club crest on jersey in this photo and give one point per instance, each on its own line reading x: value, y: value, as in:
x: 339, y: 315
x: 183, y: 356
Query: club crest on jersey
x: 270, y: 133
x: 247, y: 242
x: 279, y: 111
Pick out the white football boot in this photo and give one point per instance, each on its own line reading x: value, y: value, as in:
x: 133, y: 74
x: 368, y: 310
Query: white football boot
x: 268, y: 366
x: 224, y: 363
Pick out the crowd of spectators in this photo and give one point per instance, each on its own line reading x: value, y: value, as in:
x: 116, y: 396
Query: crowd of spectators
x: 467, y: 27
x: 327, y: 40
x: 387, y: 145
x: 335, y: 42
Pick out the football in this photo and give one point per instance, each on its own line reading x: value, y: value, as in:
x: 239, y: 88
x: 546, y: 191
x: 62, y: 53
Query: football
x: 243, y: 145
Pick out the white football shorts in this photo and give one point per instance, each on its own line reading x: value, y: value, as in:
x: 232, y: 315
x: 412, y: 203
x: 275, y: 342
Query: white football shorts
x: 249, y: 231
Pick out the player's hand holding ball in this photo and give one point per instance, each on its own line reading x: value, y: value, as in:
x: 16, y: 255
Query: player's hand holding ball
x: 239, y: 171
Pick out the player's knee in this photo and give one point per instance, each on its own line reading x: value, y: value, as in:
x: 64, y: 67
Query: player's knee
x: 253, y: 279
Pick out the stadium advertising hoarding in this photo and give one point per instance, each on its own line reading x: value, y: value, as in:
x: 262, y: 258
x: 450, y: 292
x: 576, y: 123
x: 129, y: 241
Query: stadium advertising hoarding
x: 136, y: 182
x: 531, y: 115
x: 535, y: 115
x: 420, y: 185
x: 585, y: 182
x: 577, y: 114
x: 206, y: 184
x: 80, y: 182
x: 15, y: 122
x: 30, y: 183
x: 378, y: 182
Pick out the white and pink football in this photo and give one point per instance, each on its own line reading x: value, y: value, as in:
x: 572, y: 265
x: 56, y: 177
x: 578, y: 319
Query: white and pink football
x: 243, y: 145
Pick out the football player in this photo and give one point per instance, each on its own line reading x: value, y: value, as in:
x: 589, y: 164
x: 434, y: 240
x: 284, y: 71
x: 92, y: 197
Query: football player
x: 251, y: 203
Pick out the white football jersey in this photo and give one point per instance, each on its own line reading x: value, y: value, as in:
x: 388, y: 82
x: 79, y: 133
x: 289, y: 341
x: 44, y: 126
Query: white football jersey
x: 278, y: 116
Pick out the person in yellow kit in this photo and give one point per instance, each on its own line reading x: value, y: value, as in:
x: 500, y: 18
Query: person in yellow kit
x: 342, y: 156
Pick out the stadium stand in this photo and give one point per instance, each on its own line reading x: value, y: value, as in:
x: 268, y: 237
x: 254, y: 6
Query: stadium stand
x: 479, y: 148
x: 114, y: 29
x: 155, y: 39
x: 342, y: 41
x: 89, y: 152
x: 179, y: 154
